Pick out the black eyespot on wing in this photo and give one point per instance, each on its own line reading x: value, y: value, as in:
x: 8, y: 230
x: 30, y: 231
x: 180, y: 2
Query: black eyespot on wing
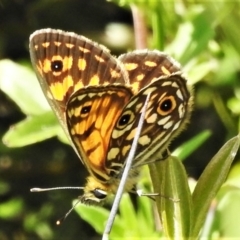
x: 124, y: 119
x: 166, y: 105
x: 85, y: 109
x: 57, y: 66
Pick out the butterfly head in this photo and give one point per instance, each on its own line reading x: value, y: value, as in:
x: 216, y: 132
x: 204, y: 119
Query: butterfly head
x: 95, y: 193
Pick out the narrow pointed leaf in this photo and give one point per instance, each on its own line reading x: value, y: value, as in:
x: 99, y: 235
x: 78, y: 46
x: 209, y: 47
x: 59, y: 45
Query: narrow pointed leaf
x: 210, y: 181
x: 97, y: 218
x: 128, y: 212
x: 191, y: 145
x: 170, y: 180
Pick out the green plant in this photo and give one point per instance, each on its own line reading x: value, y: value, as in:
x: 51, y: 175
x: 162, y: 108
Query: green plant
x: 204, y: 37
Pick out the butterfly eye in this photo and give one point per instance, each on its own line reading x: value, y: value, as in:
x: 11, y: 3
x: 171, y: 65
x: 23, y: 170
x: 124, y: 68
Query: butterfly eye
x: 166, y: 105
x: 98, y: 193
x: 57, y: 66
x: 125, y: 119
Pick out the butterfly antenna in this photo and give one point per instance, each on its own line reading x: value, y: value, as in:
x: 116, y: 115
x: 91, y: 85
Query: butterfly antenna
x: 60, y: 221
x: 52, y: 189
x: 125, y: 174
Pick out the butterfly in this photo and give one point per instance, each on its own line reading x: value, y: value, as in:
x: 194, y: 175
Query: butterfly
x: 98, y: 100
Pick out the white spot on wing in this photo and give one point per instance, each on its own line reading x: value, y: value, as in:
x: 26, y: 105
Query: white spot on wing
x: 144, y: 140
x: 164, y: 120
x: 175, y: 85
x: 181, y: 111
x: 152, y: 118
x: 176, y: 126
x: 112, y: 153
x: 179, y: 94
x: 168, y: 125
x: 167, y: 83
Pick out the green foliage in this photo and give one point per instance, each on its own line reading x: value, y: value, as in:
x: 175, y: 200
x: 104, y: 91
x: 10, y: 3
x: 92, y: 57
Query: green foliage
x: 204, y: 38
x: 211, y: 180
x: 222, y: 218
x: 128, y: 224
x: 182, y: 214
x: 21, y: 85
x: 11, y: 208
x: 188, y: 147
x: 38, y: 224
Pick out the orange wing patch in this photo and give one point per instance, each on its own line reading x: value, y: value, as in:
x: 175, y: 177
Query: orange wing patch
x: 60, y: 89
x: 82, y: 64
x: 90, y: 119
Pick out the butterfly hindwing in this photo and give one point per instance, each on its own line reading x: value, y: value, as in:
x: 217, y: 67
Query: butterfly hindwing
x: 157, y: 74
x: 91, y: 114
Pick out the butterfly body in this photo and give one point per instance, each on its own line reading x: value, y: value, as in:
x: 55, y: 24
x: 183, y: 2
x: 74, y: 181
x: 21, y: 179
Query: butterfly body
x: 98, y: 100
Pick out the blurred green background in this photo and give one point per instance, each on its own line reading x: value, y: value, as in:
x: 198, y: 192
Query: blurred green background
x: 202, y: 35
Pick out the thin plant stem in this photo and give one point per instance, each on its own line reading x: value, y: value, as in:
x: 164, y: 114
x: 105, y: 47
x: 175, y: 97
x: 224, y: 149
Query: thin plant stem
x: 140, y: 29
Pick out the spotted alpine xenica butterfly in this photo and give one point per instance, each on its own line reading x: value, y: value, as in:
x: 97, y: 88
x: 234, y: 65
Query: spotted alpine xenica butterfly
x: 98, y: 100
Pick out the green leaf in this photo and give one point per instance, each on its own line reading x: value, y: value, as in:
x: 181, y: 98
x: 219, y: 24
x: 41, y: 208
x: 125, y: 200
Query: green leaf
x: 87, y: 212
x: 193, y: 36
x: 128, y: 214
x: 174, y: 203
x: 99, y: 220
x: 21, y: 85
x: 33, y: 129
x: 137, y: 222
x: 228, y: 220
x: 145, y: 217
x: 39, y: 223
x: 234, y: 176
x: 222, y: 218
x: 210, y: 181
x: 11, y: 208
x: 196, y: 71
x: 131, y: 223
x: 188, y: 147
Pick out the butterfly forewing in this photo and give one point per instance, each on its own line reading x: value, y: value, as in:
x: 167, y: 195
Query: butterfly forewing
x: 66, y: 62
x: 91, y: 114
